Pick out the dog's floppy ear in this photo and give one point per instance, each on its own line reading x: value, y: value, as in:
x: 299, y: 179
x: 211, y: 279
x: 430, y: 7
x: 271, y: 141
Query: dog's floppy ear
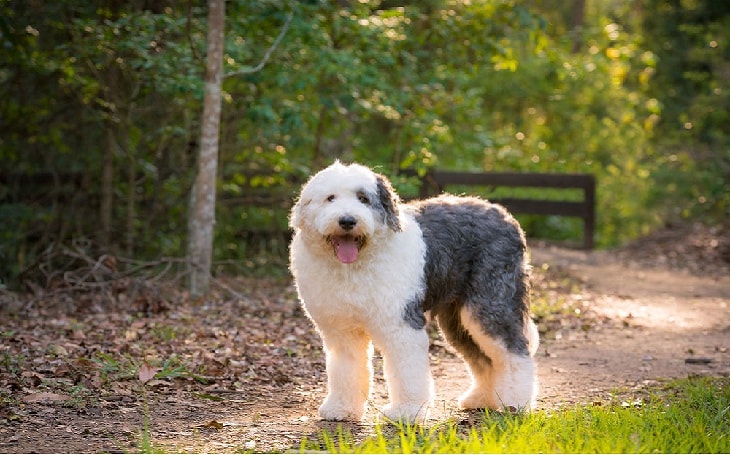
x: 389, y: 201
x: 296, y: 215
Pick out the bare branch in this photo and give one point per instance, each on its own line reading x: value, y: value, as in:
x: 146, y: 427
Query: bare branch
x: 227, y: 288
x: 70, y: 271
x: 269, y: 51
x: 188, y: 26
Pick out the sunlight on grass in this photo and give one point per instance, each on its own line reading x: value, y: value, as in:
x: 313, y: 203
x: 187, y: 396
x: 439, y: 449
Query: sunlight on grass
x: 689, y: 416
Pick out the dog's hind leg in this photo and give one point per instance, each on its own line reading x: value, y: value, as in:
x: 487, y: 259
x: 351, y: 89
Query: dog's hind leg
x: 481, y: 392
x: 349, y: 374
x: 509, y: 380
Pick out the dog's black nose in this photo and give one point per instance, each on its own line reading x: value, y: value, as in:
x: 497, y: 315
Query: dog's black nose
x: 347, y: 222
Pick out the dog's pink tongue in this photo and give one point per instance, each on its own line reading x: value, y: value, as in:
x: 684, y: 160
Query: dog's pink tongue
x: 346, y: 249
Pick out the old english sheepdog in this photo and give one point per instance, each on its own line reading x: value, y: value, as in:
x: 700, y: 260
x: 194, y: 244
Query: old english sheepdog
x: 372, y: 270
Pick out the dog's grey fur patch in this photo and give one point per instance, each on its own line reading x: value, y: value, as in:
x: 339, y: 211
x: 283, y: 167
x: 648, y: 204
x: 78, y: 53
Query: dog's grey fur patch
x: 413, y: 313
x: 387, y: 200
x: 475, y: 253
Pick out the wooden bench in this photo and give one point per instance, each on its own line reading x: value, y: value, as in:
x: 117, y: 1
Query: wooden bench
x: 435, y: 182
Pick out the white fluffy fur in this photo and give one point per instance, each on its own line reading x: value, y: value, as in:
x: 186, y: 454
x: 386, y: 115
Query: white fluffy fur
x: 354, y: 304
x: 349, y: 303
x: 509, y: 381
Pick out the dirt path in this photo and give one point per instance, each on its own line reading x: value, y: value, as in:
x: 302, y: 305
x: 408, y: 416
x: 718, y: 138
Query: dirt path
x: 652, y: 324
x: 638, y: 326
x: 641, y: 327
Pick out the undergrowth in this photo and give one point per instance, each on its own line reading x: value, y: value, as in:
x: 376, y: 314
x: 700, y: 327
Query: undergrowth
x: 686, y: 416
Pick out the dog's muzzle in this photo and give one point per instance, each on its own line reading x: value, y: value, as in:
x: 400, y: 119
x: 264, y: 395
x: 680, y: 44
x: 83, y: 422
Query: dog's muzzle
x: 346, y: 246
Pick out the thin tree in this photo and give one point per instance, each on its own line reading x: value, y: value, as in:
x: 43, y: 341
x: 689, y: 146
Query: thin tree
x: 576, y: 24
x: 201, y: 220
x: 202, y: 199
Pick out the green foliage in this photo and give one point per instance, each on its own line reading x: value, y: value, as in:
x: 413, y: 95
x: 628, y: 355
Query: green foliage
x: 689, y: 417
x: 636, y: 95
x: 691, y: 43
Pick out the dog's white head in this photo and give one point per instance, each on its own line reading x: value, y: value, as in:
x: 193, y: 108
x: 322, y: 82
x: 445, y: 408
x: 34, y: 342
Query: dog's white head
x: 343, y: 208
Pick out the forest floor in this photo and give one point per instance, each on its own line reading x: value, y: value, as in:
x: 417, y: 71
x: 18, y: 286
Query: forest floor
x: 136, y: 366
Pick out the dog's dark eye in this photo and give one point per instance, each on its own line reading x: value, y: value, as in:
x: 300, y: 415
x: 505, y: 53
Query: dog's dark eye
x: 330, y: 198
x: 362, y: 198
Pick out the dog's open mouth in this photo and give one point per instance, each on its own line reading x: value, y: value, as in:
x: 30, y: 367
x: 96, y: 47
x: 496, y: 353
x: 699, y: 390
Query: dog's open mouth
x: 346, y: 247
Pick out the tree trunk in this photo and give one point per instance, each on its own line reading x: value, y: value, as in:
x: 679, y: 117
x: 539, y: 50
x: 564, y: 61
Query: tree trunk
x: 131, y: 206
x: 107, y: 190
x: 317, y: 158
x: 576, y: 24
x: 202, y: 203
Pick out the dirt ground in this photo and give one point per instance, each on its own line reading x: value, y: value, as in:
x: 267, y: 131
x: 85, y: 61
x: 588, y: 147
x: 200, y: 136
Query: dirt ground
x: 248, y: 373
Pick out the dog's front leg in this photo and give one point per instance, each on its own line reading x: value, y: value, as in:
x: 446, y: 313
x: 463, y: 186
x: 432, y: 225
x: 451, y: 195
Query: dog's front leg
x: 407, y: 372
x: 349, y: 374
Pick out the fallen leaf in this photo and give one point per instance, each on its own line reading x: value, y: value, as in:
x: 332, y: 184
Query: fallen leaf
x: 698, y: 360
x: 159, y: 383
x: 57, y: 350
x: 208, y: 396
x: 32, y: 377
x: 45, y: 397
x: 146, y: 372
x: 213, y: 424
x: 8, y: 415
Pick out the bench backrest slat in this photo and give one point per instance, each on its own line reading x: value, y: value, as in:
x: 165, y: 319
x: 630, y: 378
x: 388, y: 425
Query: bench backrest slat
x: 435, y: 182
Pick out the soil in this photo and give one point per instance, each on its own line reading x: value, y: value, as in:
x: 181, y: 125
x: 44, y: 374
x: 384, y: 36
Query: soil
x: 118, y: 371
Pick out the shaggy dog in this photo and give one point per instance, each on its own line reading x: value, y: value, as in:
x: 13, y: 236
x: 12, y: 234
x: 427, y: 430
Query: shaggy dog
x: 371, y: 270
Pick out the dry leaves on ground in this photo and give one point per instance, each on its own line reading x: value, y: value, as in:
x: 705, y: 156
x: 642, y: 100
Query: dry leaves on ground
x: 85, y: 365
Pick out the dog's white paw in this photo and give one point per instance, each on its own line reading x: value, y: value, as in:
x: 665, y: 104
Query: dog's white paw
x: 476, y: 398
x: 339, y: 412
x: 406, y: 413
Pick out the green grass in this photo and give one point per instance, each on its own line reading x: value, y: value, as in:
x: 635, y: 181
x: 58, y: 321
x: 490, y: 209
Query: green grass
x: 688, y: 416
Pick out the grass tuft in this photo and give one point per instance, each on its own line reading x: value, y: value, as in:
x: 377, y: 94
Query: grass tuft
x: 687, y: 416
